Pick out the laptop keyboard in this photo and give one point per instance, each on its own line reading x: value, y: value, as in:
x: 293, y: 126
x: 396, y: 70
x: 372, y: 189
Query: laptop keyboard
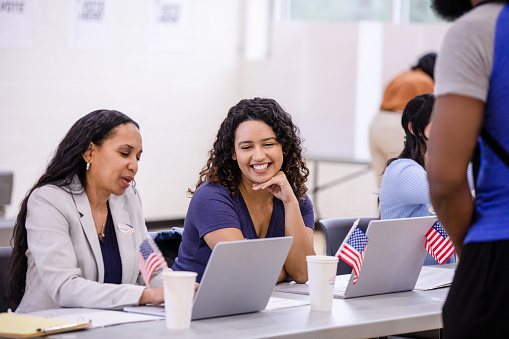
x: 341, y: 283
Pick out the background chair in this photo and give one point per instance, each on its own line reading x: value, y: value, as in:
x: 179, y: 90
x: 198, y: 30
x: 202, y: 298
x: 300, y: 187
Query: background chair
x: 168, y: 242
x: 335, y: 231
x: 5, y: 256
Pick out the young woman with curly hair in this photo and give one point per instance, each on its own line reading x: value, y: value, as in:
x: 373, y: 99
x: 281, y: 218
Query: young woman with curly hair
x: 253, y: 186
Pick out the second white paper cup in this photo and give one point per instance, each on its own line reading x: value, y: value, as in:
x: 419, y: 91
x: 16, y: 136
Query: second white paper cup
x: 178, y: 298
x: 322, y: 271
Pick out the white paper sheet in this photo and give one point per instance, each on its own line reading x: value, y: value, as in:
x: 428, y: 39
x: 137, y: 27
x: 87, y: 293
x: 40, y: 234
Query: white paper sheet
x: 16, y: 23
x: 431, y: 277
x: 278, y: 303
x: 168, y: 25
x: 434, y: 277
x: 273, y: 304
x: 98, y: 318
x: 88, y: 24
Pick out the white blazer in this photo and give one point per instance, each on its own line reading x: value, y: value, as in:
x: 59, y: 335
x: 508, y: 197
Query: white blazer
x: 65, y: 263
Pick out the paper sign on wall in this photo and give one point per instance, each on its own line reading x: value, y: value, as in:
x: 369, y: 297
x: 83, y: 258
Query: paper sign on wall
x: 169, y: 25
x: 88, y: 24
x: 16, y: 23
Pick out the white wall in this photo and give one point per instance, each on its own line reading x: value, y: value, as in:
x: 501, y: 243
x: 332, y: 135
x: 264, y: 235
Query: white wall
x: 332, y: 76
x: 179, y: 98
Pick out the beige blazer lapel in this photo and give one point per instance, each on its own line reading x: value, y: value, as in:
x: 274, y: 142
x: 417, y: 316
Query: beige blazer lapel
x: 126, y: 242
x: 88, y: 225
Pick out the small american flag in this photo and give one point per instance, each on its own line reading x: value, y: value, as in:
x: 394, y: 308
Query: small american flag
x: 352, y: 249
x: 150, y: 259
x: 438, y: 243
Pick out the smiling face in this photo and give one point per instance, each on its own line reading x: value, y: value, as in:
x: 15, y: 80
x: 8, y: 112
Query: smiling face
x: 257, y: 151
x: 114, y: 164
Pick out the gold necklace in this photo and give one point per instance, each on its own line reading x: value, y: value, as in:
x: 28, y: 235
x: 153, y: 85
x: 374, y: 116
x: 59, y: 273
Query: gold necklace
x: 102, y: 235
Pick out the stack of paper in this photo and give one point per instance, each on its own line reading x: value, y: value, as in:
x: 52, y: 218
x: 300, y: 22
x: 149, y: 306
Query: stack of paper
x: 23, y: 326
x: 96, y: 317
x: 432, y: 277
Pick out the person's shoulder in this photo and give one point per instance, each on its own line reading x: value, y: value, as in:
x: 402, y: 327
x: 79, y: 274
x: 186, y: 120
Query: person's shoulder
x: 211, y: 198
x: 481, y: 13
x: 305, y: 199
x: 59, y: 197
x: 50, y: 190
x: 412, y: 80
x: 131, y: 195
x: 400, y: 171
x: 210, y: 189
x: 401, y: 164
x: 305, y: 203
x: 403, y: 77
x: 476, y: 22
x: 422, y: 76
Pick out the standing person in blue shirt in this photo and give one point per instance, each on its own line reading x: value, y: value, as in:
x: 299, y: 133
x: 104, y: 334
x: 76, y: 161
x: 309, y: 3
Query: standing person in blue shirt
x: 253, y: 186
x: 404, y: 192
x: 472, y: 88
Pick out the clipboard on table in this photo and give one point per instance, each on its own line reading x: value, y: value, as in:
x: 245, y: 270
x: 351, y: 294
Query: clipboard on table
x: 14, y: 325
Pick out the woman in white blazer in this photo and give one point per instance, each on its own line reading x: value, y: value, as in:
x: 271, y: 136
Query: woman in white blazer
x: 78, y: 232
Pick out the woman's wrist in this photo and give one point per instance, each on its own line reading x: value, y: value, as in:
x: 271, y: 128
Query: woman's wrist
x: 292, y: 202
x: 154, y: 296
x: 146, y: 297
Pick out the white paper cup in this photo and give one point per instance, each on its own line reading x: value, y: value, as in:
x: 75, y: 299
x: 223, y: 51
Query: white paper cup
x: 178, y: 298
x: 322, y: 271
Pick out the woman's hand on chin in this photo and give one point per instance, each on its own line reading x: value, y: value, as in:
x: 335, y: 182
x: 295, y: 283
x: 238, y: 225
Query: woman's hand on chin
x: 279, y: 186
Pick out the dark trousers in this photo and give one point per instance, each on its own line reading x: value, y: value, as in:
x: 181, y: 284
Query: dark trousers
x: 478, y: 302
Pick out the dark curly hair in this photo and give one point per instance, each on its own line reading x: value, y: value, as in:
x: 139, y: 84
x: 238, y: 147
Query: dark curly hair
x: 451, y: 10
x: 222, y: 169
x: 67, y: 162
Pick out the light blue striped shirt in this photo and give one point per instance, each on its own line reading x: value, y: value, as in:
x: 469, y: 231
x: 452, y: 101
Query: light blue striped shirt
x: 404, y: 193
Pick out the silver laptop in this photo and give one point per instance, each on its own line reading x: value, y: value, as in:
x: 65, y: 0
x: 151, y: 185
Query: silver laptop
x: 239, y: 278
x: 393, y: 259
x: 392, y: 262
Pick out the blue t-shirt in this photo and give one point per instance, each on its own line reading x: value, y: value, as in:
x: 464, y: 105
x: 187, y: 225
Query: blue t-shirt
x: 492, y: 191
x: 473, y: 63
x: 212, y: 207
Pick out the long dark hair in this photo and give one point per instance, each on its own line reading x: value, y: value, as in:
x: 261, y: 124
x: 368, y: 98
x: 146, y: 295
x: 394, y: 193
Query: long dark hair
x: 222, y: 169
x: 66, y: 163
x: 418, y: 113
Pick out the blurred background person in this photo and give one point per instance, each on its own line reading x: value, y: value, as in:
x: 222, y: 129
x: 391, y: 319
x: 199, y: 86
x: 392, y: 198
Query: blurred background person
x: 386, y: 137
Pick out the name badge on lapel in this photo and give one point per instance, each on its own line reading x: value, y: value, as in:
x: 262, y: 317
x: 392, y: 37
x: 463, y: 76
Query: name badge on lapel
x: 126, y: 229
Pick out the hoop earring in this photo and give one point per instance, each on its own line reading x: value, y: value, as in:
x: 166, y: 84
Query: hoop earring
x: 133, y: 185
x: 88, y: 166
